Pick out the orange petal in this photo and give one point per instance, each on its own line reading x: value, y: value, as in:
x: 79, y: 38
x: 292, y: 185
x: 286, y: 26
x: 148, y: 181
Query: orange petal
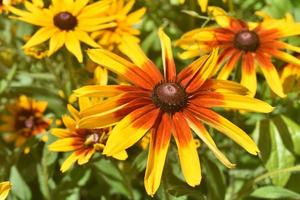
x: 270, y: 74
x: 130, y: 129
x: 249, y: 73
x: 225, y: 126
x: 167, y: 56
x: 187, y: 150
x: 200, y: 130
x: 159, y: 143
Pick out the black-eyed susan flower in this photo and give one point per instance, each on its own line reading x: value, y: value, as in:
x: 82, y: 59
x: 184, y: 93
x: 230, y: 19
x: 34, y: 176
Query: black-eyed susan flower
x: 165, y: 105
x: 82, y: 142
x: 4, y: 190
x: 24, y: 120
x: 126, y: 22
x: 253, y: 43
x: 65, y: 22
x: 290, y: 78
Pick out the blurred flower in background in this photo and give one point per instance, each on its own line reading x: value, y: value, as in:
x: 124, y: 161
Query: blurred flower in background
x: 5, y: 3
x: 202, y: 3
x: 253, y: 43
x: 290, y: 78
x: 4, y: 190
x: 65, y: 23
x: 24, y: 120
x: 165, y: 104
x: 126, y: 23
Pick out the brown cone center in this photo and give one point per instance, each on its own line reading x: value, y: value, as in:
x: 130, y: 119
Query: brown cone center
x: 65, y: 21
x: 169, y: 97
x: 246, y: 40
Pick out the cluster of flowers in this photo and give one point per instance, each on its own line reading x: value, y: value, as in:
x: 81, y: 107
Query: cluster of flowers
x: 112, y: 118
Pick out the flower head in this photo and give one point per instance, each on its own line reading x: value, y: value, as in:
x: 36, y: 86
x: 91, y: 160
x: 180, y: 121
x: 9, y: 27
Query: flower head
x: 125, y: 24
x: 4, y: 189
x: 165, y: 105
x: 253, y: 43
x: 25, y: 120
x: 290, y: 78
x: 83, y: 142
x: 65, y: 23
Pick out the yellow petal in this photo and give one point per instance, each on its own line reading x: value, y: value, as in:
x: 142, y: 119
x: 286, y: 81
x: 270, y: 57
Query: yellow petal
x: 225, y: 126
x: 69, y: 162
x: 188, y: 155
x: 73, y: 45
x: 159, y: 143
x: 130, y: 129
x: 56, y: 42
x: 200, y: 130
x: 220, y: 16
x: 41, y: 36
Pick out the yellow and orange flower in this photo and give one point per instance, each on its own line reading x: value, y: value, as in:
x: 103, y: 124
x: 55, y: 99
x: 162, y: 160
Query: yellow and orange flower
x: 290, y: 78
x: 4, y: 190
x: 253, y: 43
x: 165, y: 105
x: 125, y: 24
x: 25, y: 120
x: 84, y: 143
x: 65, y: 22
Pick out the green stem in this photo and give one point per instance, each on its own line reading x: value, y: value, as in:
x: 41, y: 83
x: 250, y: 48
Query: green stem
x: 276, y: 172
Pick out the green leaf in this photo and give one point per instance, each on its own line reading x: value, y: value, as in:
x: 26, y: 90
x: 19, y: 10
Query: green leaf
x: 215, y: 180
x: 110, y: 172
x: 20, y: 188
x: 280, y: 156
x: 294, y: 130
x: 274, y: 192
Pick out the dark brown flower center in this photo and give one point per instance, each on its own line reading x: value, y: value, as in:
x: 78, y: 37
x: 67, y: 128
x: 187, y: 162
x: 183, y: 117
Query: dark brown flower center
x: 27, y: 121
x: 246, y: 40
x: 65, y: 21
x: 169, y: 97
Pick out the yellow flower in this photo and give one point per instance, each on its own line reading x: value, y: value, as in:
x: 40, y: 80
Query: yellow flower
x: 4, y: 189
x: 202, y: 3
x: 290, y: 78
x: 5, y: 3
x: 25, y: 120
x: 126, y: 22
x: 81, y: 141
x: 253, y: 43
x: 169, y: 104
x: 65, y: 22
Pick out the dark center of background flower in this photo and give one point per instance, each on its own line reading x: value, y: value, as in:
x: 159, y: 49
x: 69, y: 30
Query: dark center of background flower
x: 169, y: 97
x: 65, y: 21
x: 27, y: 121
x: 246, y: 40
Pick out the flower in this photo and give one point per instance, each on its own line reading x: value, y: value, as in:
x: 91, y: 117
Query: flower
x: 65, y: 22
x: 253, y: 43
x: 5, y: 3
x: 110, y: 38
x: 81, y: 141
x: 202, y: 3
x: 164, y: 105
x: 290, y: 78
x: 25, y: 120
x: 4, y: 189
